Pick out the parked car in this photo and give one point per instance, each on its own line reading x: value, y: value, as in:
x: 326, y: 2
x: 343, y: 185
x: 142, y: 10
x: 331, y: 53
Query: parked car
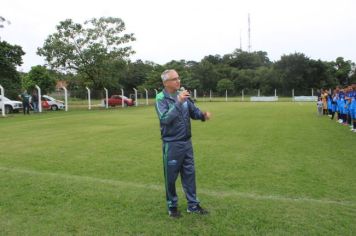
x: 117, y: 100
x: 10, y: 105
x: 51, y: 103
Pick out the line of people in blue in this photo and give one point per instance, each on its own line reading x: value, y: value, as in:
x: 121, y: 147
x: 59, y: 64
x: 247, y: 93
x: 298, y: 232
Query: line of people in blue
x: 342, y: 102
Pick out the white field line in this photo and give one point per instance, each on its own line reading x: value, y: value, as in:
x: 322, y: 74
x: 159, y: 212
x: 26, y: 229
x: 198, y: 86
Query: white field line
x: 217, y: 194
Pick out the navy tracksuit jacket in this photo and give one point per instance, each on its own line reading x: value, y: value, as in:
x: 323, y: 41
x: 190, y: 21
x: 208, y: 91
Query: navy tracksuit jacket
x: 178, y: 155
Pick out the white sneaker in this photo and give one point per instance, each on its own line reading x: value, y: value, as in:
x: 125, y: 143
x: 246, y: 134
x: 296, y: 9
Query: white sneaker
x: 352, y: 129
x: 340, y: 121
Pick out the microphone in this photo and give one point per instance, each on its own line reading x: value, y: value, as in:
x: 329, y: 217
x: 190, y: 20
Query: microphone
x: 189, y: 98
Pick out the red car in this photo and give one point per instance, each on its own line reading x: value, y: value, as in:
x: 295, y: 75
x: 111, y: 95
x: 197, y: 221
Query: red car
x: 117, y: 100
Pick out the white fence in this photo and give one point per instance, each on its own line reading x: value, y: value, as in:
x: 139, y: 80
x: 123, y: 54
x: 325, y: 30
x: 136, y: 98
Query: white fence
x: 71, y: 99
x: 264, y: 99
x: 305, y: 98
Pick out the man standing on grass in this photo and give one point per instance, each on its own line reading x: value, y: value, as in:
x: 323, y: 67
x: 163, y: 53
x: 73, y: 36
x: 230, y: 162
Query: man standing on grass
x: 25, y: 97
x: 175, y: 109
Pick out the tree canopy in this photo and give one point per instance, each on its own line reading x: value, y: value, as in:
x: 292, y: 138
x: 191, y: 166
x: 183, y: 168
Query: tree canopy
x: 90, y: 49
x: 41, y: 76
x: 10, y: 58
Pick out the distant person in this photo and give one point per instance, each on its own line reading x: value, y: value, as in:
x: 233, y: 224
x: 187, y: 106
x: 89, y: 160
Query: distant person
x: 353, y: 107
x: 348, y: 97
x: 329, y: 102
x: 324, y: 96
x: 337, y: 99
x: 35, y: 101
x: 343, y: 106
x: 175, y: 109
x: 333, y: 104
x: 320, y: 106
x: 26, y: 99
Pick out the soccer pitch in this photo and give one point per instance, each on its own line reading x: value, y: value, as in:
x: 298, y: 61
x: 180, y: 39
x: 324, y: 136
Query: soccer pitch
x: 261, y: 168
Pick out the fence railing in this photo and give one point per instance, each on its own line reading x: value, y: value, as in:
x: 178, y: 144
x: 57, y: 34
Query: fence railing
x: 88, y: 99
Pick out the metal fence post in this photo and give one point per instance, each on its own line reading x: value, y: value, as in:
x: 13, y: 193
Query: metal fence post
x: 65, y: 98
x: 2, y: 94
x: 39, y: 98
x: 89, y: 102
x: 106, y: 99
x: 146, y: 97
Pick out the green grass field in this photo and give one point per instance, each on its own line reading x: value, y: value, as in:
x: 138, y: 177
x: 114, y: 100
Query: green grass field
x: 262, y: 169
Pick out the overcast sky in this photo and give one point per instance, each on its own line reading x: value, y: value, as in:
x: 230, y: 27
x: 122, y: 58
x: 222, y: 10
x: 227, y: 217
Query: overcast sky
x: 191, y: 29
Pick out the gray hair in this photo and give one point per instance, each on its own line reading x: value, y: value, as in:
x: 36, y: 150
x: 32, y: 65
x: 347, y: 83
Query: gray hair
x: 165, y: 73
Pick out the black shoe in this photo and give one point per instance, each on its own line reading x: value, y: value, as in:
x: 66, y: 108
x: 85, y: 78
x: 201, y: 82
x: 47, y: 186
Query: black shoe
x: 198, y: 210
x: 173, y: 212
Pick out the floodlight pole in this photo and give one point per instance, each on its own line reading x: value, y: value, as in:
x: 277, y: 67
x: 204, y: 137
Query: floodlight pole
x: 258, y: 93
x: 89, y: 102
x: 242, y: 95
x: 210, y: 95
x: 312, y: 92
x: 146, y: 97
x: 275, y: 92
x: 293, y: 94
x: 106, y: 98
x: 122, y: 98
x: 65, y: 98
x: 2, y: 93
x: 195, y: 94
x: 136, y: 103
x: 39, y: 98
x: 226, y: 95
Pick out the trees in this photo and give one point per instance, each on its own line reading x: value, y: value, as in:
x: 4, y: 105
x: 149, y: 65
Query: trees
x: 296, y: 71
x: 91, y: 49
x: 343, y: 70
x: 322, y: 74
x: 154, y: 78
x: 40, y: 75
x: 10, y: 57
x: 136, y: 74
x: 293, y: 72
x: 247, y: 60
x: 243, y: 79
x: 205, y: 72
x: 353, y: 78
x: 266, y: 80
x: 225, y: 84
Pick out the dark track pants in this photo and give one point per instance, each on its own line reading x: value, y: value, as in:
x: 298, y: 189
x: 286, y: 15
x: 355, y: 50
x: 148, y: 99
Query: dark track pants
x: 26, y: 107
x: 178, y: 158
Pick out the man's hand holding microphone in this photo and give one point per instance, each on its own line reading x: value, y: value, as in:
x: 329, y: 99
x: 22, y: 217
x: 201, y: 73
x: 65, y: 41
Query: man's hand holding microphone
x: 184, y: 95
